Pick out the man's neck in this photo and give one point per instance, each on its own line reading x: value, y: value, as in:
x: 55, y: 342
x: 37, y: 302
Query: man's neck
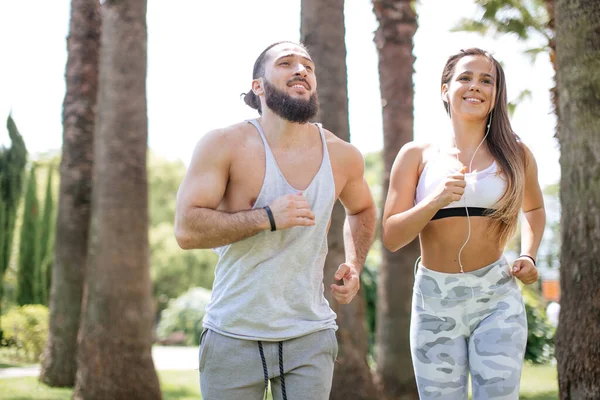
x: 283, y: 133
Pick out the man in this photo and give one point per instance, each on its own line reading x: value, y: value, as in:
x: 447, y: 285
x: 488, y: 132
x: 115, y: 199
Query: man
x: 261, y: 192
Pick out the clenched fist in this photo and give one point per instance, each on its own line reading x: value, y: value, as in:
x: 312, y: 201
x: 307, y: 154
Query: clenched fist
x: 346, y: 292
x: 524, y: 270
x: 451, y: 189
x: 292, y: 210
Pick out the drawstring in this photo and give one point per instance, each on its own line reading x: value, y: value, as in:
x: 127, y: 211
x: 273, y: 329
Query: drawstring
x: 281, y: 371
x: 266, y: 373
x: 264, y: 364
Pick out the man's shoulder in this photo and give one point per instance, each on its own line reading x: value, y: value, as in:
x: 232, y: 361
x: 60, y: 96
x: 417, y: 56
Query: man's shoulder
x: 228, y: 137
x: 223, y: 143
x: 238, y: 130
x: 344, y: 156
x: 339, y: 148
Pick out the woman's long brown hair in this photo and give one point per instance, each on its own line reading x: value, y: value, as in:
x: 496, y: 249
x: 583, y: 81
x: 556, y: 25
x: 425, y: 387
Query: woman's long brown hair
x: 504, y: 146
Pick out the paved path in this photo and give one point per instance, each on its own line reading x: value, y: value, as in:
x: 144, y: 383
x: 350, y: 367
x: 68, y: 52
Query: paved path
x: 165, y: 358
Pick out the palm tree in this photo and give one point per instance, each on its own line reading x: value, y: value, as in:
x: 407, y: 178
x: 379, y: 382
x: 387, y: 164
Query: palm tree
x: 578, y: 334
x: 59, y: 361
x: 394, y: 40
x: 115, y: 360
x: 323, y: 32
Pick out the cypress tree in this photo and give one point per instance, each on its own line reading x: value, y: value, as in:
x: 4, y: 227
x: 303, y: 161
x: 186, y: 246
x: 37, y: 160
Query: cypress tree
x: 12, y: 165
x: 46, y: 250
x: 3, y: 233
x: 28, y: 274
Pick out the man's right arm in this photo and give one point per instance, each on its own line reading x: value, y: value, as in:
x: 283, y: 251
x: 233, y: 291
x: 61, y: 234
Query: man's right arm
x: 198, y: 225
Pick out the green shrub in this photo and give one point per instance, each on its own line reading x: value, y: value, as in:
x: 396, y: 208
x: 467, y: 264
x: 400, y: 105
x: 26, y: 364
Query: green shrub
x: 185, y: 314
x: 368, y: 284
x: 26, y: 328
x: 540, y: 336
x: 174, y: 271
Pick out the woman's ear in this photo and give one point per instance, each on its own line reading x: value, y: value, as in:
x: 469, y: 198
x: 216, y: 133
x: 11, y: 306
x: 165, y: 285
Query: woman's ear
x: 445, y: 93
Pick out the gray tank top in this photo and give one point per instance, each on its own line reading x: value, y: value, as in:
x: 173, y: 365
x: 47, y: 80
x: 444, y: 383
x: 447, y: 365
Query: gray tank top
x: 270, y: 286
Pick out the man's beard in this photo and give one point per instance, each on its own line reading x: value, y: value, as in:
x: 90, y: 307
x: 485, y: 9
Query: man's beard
x: 289, y: 108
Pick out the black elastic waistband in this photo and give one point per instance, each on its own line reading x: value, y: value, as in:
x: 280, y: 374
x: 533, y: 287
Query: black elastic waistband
x: 462, y: 212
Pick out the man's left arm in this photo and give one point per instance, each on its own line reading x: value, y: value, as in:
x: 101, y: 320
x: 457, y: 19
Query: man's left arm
x: 359, y: 229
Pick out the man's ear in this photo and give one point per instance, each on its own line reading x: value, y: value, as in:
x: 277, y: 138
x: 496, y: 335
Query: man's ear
x: 257, y: 86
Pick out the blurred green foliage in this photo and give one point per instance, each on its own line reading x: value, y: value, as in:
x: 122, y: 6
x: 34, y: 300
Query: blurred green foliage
x: 185, y: 314
x: 28, y: 274
x: 540, y: 333
x: 172, y: 269
x: 26, y: 328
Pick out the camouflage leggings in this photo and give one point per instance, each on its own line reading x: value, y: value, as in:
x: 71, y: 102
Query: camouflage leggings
x: 473, y: 322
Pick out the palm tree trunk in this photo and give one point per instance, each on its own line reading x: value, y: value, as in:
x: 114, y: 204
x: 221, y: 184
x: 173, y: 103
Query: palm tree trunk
x: 115, y: 360
x: 59, y: 362
x: 323, y: 32
x: 394, y: 41
x: 550, y: 8
x: 578, y: 335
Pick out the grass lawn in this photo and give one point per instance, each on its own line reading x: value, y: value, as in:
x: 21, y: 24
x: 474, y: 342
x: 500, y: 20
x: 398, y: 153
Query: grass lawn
x: 180, y: 385
x: 175, y: 385
x: 11, y: 357
x: 539, y: 382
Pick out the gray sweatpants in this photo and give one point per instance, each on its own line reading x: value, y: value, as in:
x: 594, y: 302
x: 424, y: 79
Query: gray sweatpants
x: 233, y: 369
x: 468, y: 322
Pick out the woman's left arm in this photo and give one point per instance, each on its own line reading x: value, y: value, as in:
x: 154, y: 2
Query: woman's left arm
x: 532, y: 223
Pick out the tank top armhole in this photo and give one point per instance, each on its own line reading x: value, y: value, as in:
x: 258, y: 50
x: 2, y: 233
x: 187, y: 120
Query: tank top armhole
x: 326, y: 158
x: 269, y: 160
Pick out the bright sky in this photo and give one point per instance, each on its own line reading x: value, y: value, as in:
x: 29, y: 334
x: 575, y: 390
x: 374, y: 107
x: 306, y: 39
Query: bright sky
x: 200, y: 58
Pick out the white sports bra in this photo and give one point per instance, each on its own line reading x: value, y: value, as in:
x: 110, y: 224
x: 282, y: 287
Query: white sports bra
x: 483, y: 190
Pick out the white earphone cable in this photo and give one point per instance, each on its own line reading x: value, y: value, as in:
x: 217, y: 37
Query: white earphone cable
x: 465, y: 198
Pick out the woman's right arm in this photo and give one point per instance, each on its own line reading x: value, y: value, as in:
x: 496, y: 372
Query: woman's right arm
x: 402, y: 219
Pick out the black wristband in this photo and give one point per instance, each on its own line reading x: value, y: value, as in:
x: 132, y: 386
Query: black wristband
x: 531, y: 258
x: 272, y: 219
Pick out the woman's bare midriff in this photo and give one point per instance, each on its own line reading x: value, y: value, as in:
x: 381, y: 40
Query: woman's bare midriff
x: 442, y: 239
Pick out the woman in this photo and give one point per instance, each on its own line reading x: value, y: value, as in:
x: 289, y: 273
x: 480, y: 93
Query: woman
x: 463, y: 199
